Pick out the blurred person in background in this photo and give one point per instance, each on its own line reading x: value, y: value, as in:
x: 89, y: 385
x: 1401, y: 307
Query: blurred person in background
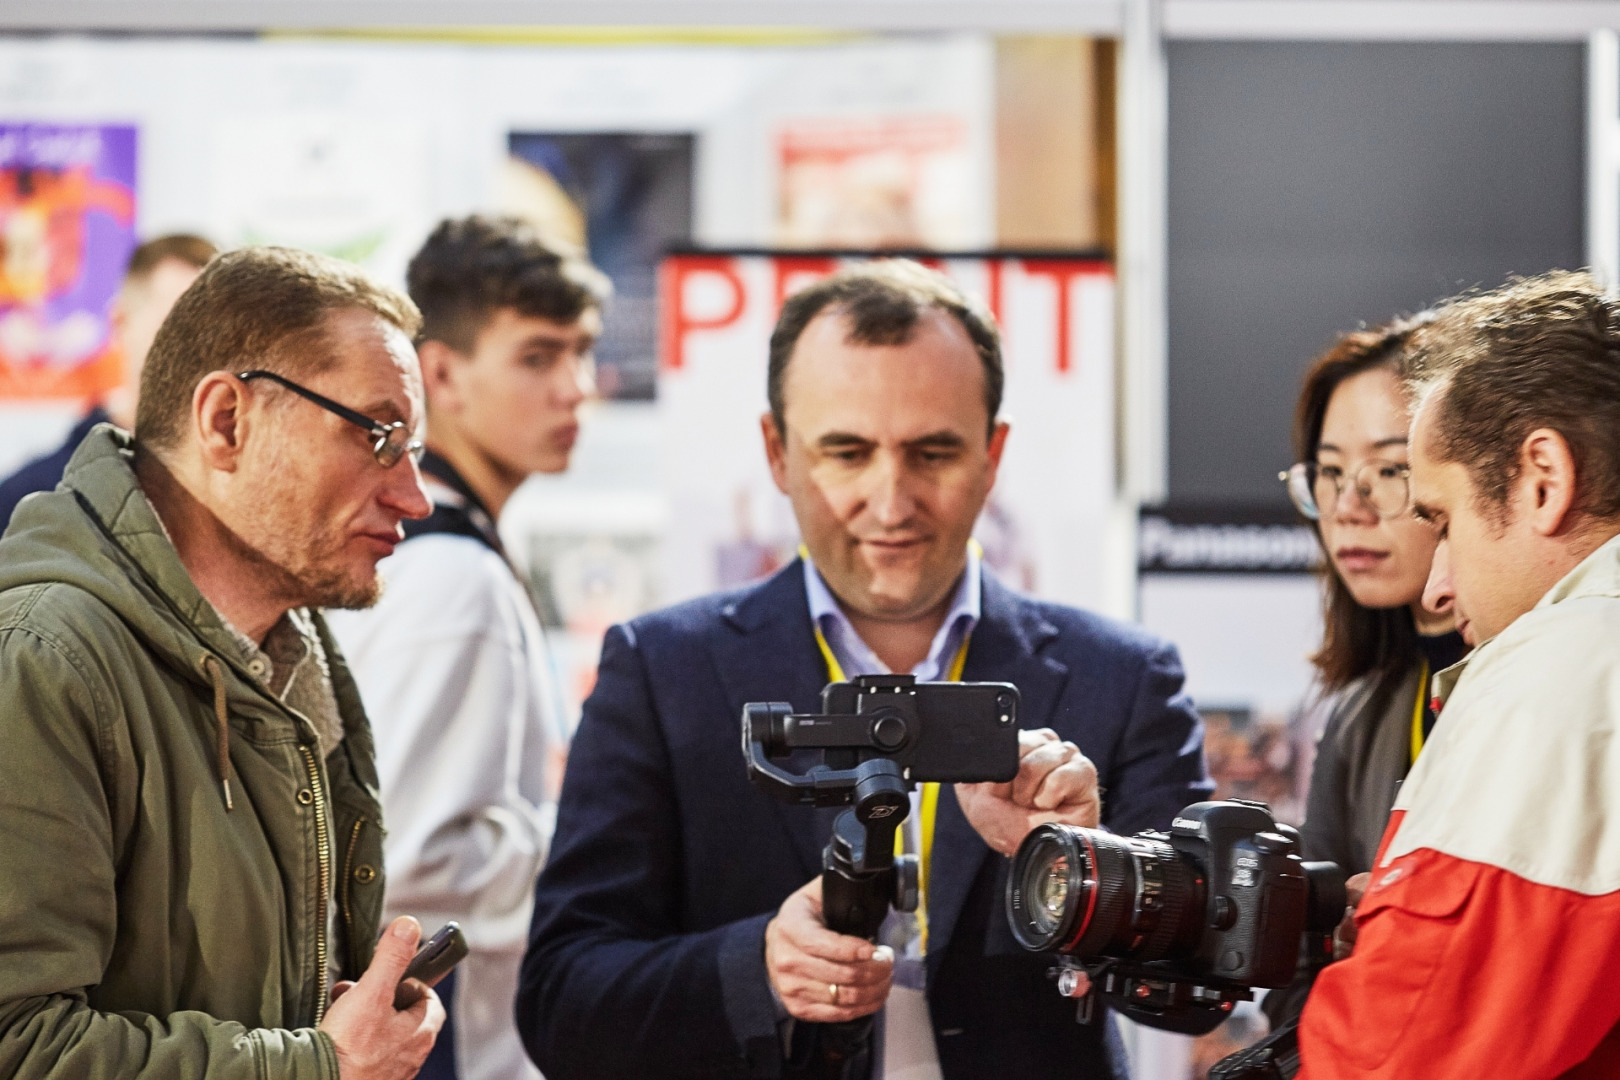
x: 677, y: 926
x: 451, y: 662
x: 1489, y: 933
x: 159, y: 271
x: 1380, y: 645
x: 190, y: 871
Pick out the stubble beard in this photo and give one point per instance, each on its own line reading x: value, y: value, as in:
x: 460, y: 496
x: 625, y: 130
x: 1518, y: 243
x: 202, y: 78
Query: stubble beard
x: 333, y: 589
x: 305, y: 568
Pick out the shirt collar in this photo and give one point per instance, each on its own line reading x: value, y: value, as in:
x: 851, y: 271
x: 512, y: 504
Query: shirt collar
x: 853, y: 654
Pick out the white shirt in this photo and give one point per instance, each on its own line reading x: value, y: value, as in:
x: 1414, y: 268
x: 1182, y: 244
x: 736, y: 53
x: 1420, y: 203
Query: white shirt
x: 909, y: 1052
x: 454, y: 675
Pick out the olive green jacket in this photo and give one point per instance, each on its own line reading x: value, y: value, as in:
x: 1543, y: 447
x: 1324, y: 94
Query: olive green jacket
x: 163, y: 909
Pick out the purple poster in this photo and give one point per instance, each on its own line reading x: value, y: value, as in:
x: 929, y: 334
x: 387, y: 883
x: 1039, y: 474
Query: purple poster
x: 67, y: 226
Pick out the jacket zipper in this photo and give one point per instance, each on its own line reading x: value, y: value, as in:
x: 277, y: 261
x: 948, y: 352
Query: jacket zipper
x: 346, y: 888
x: 323, y: 851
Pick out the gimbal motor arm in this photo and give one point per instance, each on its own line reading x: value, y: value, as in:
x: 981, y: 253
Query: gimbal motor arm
x: 876, y: 791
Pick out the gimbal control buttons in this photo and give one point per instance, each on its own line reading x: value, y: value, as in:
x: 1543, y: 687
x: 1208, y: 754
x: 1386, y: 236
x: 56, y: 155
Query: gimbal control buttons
x: 888, y: 732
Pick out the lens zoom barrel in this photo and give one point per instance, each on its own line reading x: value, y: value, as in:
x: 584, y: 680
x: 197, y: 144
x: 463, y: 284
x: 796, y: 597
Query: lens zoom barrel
x: 1090, y: 893
x: 1328, y: 897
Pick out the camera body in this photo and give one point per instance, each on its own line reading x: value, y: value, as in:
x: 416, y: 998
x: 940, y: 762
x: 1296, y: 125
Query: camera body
x: 1259, y: 897
x: 1173, y: 928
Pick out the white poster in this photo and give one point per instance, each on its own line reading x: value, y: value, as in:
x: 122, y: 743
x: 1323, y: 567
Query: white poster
x: 1043, y: 531
x: 343, y: 185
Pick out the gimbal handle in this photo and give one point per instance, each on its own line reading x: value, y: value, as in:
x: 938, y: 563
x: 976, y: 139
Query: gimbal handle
x: 860, y: 876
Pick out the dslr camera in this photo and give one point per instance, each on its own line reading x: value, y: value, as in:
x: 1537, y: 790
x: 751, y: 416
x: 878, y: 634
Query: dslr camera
x: 1171, y: 929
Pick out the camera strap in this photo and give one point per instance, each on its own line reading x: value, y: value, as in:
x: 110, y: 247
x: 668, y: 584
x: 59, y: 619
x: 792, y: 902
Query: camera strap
x: 928, y: 801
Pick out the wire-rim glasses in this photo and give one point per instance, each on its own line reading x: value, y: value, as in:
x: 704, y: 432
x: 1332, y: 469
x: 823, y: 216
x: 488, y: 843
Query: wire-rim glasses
x: 393, y: 441
x: 1384, y: 486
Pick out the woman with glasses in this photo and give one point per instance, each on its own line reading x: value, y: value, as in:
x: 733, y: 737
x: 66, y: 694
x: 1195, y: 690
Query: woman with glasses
x: 1380, y: 645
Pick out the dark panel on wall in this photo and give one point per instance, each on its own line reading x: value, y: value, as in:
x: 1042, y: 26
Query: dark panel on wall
x: 1315, y: 187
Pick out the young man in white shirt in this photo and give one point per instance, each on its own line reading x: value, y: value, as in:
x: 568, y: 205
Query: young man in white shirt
x: 451, y: 663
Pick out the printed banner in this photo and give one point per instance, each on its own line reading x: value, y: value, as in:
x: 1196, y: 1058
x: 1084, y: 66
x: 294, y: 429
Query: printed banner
x: 874, y: 181
x: 1043, y: 530
x: 67, y: 227
x: 625, y: 199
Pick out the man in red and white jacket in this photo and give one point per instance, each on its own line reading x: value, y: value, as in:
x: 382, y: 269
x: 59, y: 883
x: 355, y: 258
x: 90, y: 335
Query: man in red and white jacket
x: 1489, y: 936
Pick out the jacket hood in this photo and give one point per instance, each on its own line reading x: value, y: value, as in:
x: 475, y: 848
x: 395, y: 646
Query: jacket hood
x: 97, y: 532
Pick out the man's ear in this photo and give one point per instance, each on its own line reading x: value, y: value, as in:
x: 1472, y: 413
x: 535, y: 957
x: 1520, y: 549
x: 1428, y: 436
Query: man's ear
x: 439, y: 383
x: 998, y: 443
x: 1547, y: 479
x: 775, y: 451
x: 218, y: 419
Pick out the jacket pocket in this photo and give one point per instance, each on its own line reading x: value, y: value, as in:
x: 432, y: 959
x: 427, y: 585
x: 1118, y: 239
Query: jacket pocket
x: 1406, y: 926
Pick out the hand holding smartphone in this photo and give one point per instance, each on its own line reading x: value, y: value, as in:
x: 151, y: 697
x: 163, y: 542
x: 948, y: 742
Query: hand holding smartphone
x: 432, y: 962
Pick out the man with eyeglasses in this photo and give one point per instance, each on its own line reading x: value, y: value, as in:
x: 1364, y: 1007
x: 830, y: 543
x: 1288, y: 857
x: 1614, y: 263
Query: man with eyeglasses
x: 452, y: 663
x: 190, y: 877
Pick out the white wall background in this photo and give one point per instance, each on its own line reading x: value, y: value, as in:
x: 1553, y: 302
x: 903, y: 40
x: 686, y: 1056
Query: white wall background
x: 361, y: 147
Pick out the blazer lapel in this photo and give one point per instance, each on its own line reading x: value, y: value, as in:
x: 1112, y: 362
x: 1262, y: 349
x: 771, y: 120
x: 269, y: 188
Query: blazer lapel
x: 1005, y: 648
x: 765, y: 650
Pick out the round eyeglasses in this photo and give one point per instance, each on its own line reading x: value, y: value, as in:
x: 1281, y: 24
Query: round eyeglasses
x: 390, y: 442
x: 1382, y: 485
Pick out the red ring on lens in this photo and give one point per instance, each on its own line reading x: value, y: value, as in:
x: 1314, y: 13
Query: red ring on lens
x: 1091, y: 895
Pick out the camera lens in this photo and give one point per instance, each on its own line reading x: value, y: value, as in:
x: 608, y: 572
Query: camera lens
x: 1328, y: 898
x: 1091, y: 893
x: 1054, y: 894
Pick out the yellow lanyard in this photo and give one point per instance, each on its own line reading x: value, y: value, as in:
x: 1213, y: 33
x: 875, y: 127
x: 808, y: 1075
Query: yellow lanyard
x: 929, y: 807
x: 1417, y: 712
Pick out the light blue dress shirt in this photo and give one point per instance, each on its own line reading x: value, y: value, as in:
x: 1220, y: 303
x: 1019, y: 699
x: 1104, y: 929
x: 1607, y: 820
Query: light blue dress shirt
x: 856, y: 658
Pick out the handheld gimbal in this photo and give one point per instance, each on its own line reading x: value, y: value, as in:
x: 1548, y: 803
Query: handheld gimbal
x: 879, y: 735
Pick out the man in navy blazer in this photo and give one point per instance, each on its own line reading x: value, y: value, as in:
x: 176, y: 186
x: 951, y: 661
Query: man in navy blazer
x: 676, y: 928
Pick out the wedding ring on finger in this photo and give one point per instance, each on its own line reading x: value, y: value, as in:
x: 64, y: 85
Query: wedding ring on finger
x: 832, y: 988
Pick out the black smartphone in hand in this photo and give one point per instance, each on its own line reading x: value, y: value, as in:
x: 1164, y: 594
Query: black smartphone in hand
x: 432, y: 962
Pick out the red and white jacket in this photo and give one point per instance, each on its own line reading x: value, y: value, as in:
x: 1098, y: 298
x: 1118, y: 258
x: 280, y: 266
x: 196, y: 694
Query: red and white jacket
x: 1489, y: 939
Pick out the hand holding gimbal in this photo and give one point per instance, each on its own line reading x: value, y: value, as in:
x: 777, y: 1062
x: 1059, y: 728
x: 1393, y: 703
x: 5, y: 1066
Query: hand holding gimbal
x: 878, y: 736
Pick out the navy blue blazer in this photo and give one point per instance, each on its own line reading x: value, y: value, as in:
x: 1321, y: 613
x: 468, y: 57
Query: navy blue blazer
x: 646, y: 953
